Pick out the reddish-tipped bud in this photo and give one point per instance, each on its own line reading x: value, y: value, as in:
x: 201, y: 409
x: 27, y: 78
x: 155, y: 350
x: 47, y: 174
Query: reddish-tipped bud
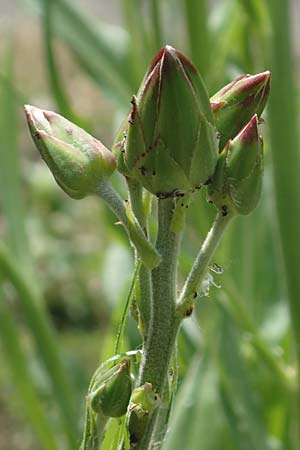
x: 170, y: 144
x: 237, y: 183
x: 236, y: 103
x: 77, y: 160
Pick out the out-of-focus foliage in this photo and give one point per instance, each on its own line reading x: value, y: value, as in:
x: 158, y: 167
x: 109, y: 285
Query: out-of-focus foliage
x: 65, y: 266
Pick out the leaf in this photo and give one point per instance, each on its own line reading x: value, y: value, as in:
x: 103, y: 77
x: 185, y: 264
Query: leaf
x: 101, y: 49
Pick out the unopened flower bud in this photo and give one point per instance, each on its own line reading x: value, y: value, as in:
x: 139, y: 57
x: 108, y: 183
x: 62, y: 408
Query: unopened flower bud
x: 77, y: 160
x: 144, y: 399
x: 171, y: 141
x: 237, y: 182
x: 235, y: 104
x: 111, y: 396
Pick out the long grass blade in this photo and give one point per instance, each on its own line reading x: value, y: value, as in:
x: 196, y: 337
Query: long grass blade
x: 24, y: 389
x: 11, y: 199
x: 197, y: 28
x: 44, y: 339
x: 283, y: 123
x: 102, y: 50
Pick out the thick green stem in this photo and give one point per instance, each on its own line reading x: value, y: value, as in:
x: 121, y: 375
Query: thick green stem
x: 163, y: 325
x: 157, y: 352
x: 189, y: 292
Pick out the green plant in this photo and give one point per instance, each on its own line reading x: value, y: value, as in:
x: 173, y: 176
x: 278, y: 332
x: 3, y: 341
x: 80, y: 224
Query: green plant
x: 238, y: 383
x: 168, y: 148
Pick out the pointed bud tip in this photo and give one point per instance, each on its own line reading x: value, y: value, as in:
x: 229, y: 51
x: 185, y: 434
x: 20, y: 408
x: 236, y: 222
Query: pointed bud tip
x: 169, y: 53
x: 252, y: 81
x: 250, y: 131
x: 215, y: 106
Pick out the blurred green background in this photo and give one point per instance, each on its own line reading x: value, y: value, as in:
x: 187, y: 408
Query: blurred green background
x: 65, y: 267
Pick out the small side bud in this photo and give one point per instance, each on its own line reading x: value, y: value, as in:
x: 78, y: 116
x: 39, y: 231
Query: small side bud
x: 111, y: 397
x: 235, y: 104
x: 77, y: 160
x: 143, y: 400
x: 237, y: 183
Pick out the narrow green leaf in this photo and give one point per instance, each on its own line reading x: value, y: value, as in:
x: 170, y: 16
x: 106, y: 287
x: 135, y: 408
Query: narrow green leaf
x: 102, y: 50
x: 11, y: 199
x: 24, y: 389
x: 44, y: 340
x: 242, y: 407
x: 285, y: 148
x: 197, y: 28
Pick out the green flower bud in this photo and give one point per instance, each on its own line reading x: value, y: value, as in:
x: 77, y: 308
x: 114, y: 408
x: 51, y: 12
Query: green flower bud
x: 235, y: 104
x: 171, y: 141
x: 237, y: 182
x: 144, y: 399
x: 77, y: 160
x: 111, y: 396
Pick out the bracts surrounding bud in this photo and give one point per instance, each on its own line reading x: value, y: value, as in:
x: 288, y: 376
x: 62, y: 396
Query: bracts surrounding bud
x: 170, y: 142
x: 235, y: 104
x: 77, y: 160
x: 237, y: 182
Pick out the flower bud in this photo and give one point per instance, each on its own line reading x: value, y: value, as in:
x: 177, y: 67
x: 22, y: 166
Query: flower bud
x: 77, y: 160
x: 111, y: 396
x: 235, y: 104
x: 171, y: 141
x: 144, y: 399
x: 237, y: 182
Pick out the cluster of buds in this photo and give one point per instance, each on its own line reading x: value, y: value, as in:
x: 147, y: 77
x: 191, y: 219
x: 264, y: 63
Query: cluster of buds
x: 237, y: 181
x: 173, y: 141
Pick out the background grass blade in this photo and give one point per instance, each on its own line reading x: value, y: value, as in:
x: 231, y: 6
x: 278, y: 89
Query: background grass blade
x: 283, y: 123
x: 24, y: 390
x: 11, y: 198
x: 197, y: 29
x: 101, y: 49
x: 44, y: 340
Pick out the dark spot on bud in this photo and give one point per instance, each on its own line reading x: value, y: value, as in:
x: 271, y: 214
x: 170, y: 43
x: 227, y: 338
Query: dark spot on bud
x: 37, y: 134
x: 207, y: 182
x: 153, y: 173
x: 224, y: 210
x: 182, y: 204
x: 195, y: 294
x: 186, y: 206
x: 143, y: 170
x: 188, y: 312
x: 69, y: 131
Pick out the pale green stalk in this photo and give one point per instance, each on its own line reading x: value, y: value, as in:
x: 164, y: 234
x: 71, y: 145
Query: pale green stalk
x: 145, y: 249
x: 200, y: 266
